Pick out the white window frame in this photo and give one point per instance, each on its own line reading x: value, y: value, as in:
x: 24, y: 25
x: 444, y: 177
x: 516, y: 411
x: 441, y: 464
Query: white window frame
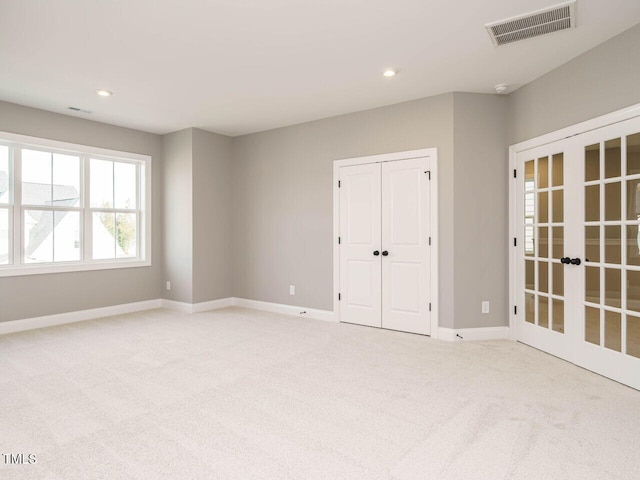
x: 16, y: 143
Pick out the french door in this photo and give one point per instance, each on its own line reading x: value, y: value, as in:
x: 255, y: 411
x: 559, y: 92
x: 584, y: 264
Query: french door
x: 384, y: 245
x: 578, y: 250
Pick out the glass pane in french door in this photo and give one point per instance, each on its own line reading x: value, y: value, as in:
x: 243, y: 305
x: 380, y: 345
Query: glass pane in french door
x: 544, y: 242
x: 612, y: 244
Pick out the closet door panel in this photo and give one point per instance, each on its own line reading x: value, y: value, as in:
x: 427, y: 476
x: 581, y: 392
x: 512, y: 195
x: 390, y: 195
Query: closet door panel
x: 360, y: 270
x: 405, y: 241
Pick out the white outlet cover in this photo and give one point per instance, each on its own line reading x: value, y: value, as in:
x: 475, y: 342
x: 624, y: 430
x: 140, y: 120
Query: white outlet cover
x: 292, y: 289
x: 485, y: 307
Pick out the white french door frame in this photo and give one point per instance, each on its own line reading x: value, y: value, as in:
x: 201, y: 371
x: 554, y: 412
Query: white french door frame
x: 432, y: 153
x: 514, y: 233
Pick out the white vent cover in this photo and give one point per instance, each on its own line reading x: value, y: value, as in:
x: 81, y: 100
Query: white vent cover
x: 548, y: 20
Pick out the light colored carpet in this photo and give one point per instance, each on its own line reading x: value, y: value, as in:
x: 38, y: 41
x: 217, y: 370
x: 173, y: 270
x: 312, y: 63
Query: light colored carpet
x: 239, y: 394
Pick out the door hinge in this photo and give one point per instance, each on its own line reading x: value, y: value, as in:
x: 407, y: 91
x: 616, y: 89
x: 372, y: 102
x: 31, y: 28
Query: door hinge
x: 429, y: 241
x: 339, y: 297
x: 429, y: 306
x: 515, y: 310
x: 338, y: 240
x: 429, y: 173
x: 514, y: 173
x: 515, y: 242
x: 338, y: 183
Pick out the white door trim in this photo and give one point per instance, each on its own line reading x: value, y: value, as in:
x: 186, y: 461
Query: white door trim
x: 577, y: 129
x: 432, y: 153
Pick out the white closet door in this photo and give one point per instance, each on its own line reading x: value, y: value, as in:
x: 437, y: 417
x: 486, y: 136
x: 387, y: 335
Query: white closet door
x: 405, y: 244
x: 360, y: 281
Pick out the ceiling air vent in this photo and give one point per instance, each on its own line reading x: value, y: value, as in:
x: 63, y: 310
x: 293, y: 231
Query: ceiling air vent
x: 81, y: 110
x: 548, y: 20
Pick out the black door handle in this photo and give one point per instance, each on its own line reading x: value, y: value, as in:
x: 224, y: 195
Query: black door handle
x: 376, y: 253
x: 575, y: 261
x: 565, y: 260
x: 385, y: 253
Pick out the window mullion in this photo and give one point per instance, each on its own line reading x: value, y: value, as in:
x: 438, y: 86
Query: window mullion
x: 138, y: 210
x: 87, y: 227
x: 113, y: 205
x: 113, y: 210
x: 53, y: 216
x: 49, y: 208
x: 17, y: 234
x: 11, y: 208
x: 144, y: 184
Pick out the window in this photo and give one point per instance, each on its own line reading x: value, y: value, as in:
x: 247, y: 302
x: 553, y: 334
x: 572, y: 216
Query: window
x: 67, y: 207
x: 114, y: 196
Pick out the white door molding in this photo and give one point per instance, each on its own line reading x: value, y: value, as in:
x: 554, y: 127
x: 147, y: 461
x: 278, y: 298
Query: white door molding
x: 432, y: 154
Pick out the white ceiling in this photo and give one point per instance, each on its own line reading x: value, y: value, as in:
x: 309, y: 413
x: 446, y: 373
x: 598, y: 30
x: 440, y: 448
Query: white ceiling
x: 241, y: 66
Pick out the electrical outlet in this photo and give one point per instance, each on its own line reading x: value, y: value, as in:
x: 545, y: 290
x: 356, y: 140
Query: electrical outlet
x: 168, y: 285
x: 292, y: 289
x: 485, y: 307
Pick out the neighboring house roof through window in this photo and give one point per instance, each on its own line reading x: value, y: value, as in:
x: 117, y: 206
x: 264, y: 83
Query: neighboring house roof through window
x: 40, y: 194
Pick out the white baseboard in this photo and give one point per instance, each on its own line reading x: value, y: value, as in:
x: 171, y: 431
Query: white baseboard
x: 77, y: 316
x: 285, y: 309
x: 447, y: 334
x: 253, y: 304
x: 176, y: 306
x: 471, y: 334
x: 213, y: 305
x: 197, y: 307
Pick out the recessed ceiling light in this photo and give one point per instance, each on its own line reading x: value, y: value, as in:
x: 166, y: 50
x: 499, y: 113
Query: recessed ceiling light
x: 389, y: 73
x: 501, y: 88
x: 104, y: 93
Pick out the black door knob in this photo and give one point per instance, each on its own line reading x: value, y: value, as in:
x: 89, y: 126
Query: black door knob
x: 376, y: 253
x: 565, y: 260
x: 385, y: 253
x: 575, y: 261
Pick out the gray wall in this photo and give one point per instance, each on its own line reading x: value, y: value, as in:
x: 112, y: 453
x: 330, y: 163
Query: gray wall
x: 283, y: 201
x: 283, y: 197
x: 273, y: 192
x: 197, y: 214
x: 602, y: 80
x: 212, y: 213
x: 177, y: 190
x: 35, y: 295
x: 481, y: 211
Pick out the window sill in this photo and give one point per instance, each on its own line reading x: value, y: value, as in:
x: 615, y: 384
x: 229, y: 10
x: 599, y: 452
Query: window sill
x: 39, y: 269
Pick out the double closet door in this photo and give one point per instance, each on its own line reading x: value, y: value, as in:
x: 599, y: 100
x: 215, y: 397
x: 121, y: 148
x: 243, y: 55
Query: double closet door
x: 578, y: 258
x: 385, y: 246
